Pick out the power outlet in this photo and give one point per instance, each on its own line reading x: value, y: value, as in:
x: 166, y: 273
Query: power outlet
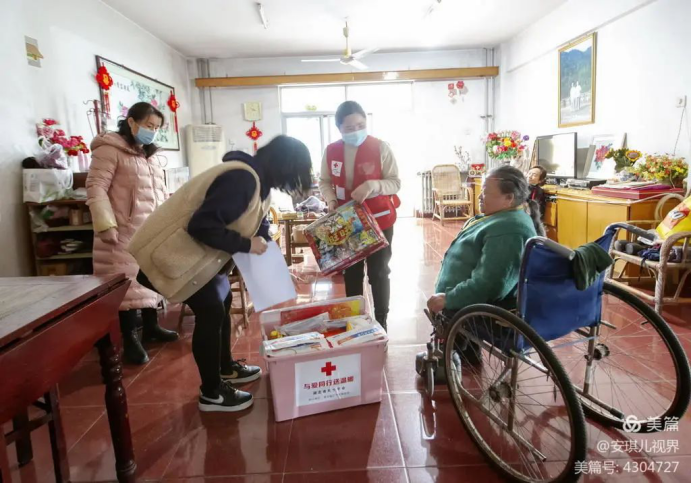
x: 681, y: 102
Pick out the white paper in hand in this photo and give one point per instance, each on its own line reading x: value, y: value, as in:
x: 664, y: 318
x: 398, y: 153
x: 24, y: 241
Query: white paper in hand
x: 266, y: 277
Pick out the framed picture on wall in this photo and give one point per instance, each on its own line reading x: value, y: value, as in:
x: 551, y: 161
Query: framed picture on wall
x: 130, y: 87
x: 577, y: 82
x: 597, y: 166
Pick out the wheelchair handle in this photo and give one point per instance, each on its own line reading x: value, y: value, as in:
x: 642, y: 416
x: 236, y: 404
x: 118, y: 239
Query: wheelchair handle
x: 631, y: 228
x: 560, y: 250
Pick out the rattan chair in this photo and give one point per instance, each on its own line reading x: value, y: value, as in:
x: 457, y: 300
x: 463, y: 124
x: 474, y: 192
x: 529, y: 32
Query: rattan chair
x: 450, y: 195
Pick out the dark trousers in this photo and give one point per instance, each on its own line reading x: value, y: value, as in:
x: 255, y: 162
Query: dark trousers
x: 211, y: 339
x: 128, y: 319
x: 378, y: 275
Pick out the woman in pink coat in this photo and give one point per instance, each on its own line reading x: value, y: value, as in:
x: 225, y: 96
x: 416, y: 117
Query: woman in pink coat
x: 124, y: 186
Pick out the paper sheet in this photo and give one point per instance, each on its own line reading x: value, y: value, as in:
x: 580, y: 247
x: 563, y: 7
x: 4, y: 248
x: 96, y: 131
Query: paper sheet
x: 266, y: 277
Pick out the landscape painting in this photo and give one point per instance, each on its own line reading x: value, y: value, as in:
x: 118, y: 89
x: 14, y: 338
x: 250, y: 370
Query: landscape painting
x: 577, y: 82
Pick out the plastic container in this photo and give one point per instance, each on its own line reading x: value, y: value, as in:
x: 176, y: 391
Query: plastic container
x: 327, y: 380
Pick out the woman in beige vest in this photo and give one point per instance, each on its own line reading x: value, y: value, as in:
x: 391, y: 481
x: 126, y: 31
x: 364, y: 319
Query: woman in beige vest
x: 184, y: 247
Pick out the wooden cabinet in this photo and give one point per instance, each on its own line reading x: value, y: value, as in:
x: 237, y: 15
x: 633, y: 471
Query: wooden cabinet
x: 583, y: 217
x: 571, y: 222
x: 550, y: 220
x: 578, y: 216
x: 477, y: 187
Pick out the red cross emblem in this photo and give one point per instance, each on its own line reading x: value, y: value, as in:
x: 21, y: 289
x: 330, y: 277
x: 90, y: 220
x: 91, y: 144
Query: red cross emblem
x: 328, y: 368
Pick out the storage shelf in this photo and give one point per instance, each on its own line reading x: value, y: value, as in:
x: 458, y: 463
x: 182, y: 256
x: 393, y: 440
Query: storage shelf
x: 69, y: 228
x: 78, y: 255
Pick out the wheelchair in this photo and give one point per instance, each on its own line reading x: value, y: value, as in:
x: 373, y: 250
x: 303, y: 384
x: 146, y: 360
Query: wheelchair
x: 522, y: 381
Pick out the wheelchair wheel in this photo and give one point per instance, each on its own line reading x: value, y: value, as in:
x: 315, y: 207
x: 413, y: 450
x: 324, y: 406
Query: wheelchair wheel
x: 630, y: 371
x: 430, y: 378
x: 513, y: 396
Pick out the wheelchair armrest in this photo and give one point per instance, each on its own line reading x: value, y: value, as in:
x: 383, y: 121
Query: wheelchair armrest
x: 561, y: 250
x: 632, y: 229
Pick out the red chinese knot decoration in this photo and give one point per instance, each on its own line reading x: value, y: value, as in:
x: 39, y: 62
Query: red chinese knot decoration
x: 173, y: 104
x: 254, y: 134
x: 105, y: 82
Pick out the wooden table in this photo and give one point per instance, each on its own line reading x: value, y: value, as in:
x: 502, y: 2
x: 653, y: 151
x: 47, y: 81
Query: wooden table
x: 47, y: 325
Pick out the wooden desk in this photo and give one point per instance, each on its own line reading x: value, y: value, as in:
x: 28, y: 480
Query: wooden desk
x: 47, y: 325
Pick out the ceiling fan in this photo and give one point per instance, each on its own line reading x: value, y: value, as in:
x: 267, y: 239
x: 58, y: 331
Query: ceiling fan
x: 348, y: 59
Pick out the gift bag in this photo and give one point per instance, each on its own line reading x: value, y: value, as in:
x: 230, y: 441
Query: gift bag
x: 45, y: 184
x: 344, y: 237
x: 677, y: 220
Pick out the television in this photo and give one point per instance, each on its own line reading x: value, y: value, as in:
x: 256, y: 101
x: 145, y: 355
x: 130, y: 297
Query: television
x: 557, y: 153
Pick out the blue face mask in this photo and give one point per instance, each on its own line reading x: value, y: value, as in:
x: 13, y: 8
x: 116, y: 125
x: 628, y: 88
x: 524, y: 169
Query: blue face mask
x: 356, y: 138
x: 145, y: 136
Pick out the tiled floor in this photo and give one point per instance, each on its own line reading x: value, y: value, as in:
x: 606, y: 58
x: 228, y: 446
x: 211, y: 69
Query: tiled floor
x: 406, y: 438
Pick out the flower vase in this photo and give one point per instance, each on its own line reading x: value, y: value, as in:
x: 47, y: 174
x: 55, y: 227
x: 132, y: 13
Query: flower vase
x: 73, y: 163
x: 83, y: 160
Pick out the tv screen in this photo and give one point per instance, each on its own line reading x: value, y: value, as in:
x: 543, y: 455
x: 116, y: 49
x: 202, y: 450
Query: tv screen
x: 557, y: 153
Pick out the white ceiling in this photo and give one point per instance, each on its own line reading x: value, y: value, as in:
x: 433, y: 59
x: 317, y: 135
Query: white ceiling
x: 232, y: 28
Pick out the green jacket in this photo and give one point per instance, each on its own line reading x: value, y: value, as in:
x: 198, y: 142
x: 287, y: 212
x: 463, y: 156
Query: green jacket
x: 482, y: 264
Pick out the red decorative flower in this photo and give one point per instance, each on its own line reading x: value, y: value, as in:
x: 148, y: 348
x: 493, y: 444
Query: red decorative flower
x: 49, y: 122
x: 460, y: 84
x: 103, y: 78
x: 450, y: 86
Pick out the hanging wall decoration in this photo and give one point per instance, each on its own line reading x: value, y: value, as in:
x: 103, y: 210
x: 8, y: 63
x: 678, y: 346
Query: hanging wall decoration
x: 105, y: 82
x: 456, y: 89
x: 173, y: 105
x: 254, y: 134
x: 127, y: 87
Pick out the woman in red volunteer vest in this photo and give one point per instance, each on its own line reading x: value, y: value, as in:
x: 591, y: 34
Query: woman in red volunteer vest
x: 362, y: 168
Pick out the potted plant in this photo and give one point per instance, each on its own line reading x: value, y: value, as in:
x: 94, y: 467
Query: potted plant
x: 664, y: 169
x: 505, y: 146
x: 624, y: 159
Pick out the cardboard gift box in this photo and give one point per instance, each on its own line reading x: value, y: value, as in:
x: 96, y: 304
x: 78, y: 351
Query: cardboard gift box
x: 344, y: 237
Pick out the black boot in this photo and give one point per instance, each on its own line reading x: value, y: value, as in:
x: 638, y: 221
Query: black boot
x: 133, y: 352
x: 151, y: 331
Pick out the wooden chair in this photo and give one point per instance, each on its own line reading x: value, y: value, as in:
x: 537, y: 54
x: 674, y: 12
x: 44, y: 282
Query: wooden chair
x: 274, y: 226
x: 654, y: 271
x: 237, y: 286
x: 23, y: 426
x: 450, y: 194
x: 235, y: 277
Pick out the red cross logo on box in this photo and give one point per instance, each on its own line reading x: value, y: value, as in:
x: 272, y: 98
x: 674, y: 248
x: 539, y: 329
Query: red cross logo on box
x: 328, y: 368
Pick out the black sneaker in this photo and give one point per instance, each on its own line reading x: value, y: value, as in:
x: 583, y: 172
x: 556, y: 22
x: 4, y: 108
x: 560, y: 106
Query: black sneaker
x: 239, y: 372
x: 226, y: 399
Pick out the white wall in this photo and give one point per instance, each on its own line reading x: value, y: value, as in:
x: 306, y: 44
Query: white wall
x: 70, y: 33
x: 643, y: 64
x: 430, y: 130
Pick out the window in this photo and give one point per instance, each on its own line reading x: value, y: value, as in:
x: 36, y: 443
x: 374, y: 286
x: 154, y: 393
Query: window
x: 390, y: 97
x: 312, y: 98
x: 308, y: 111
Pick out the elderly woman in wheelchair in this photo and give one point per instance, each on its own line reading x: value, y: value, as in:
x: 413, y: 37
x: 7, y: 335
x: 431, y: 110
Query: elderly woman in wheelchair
x: 530, y: 337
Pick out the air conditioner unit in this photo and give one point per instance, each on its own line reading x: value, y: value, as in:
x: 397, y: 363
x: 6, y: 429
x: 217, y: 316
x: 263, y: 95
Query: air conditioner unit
x: 206, y: 146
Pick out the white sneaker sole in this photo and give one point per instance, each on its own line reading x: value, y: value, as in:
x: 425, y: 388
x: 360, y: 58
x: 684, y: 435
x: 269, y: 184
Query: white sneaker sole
x: 215, y: 407
x: 247, y: 379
